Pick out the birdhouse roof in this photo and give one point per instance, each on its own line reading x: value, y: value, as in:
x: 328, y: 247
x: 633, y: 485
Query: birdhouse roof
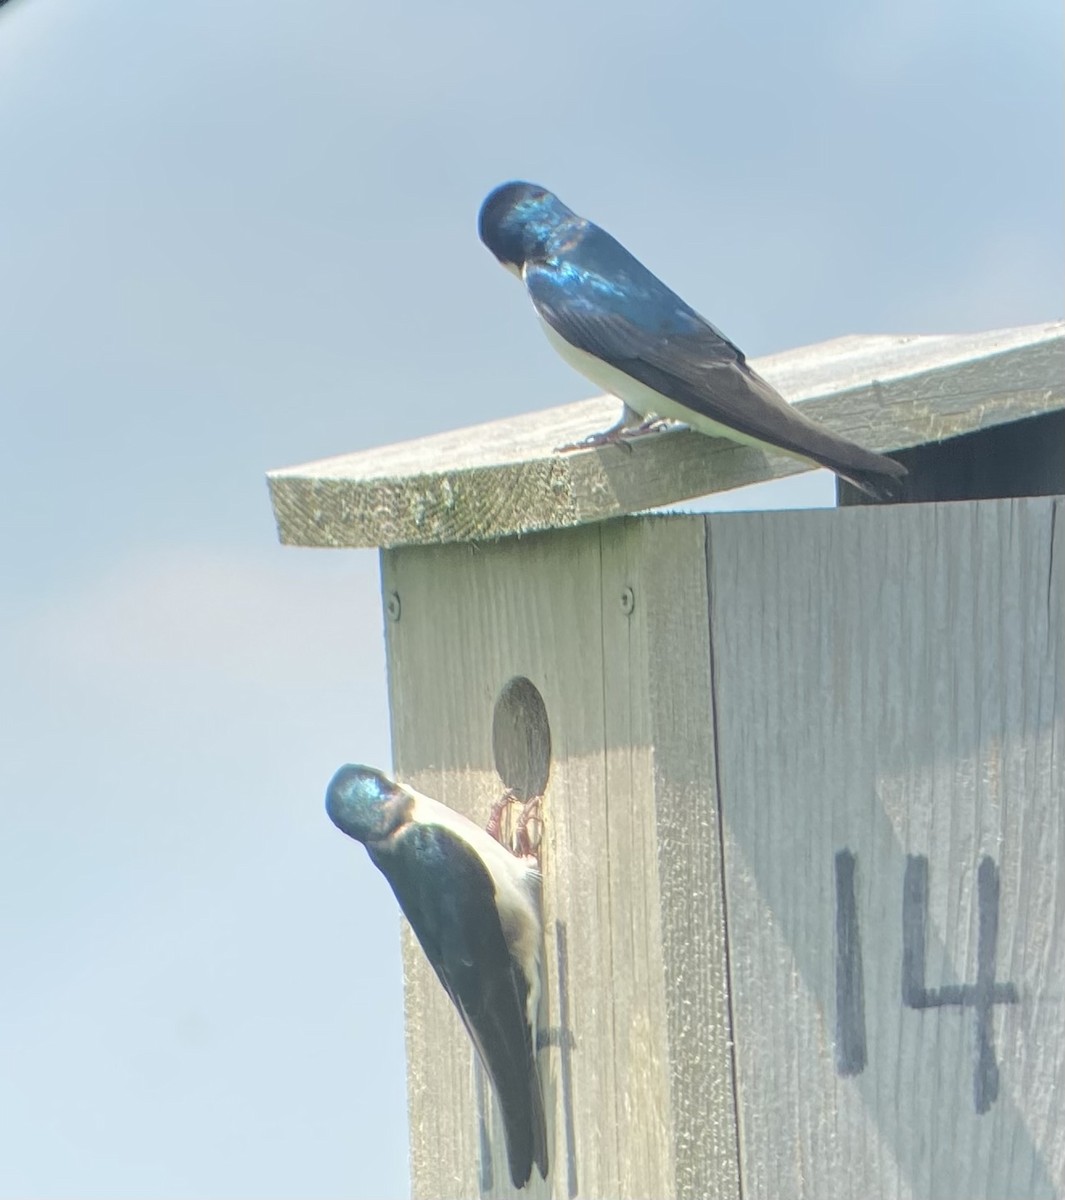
x: 887, y: 393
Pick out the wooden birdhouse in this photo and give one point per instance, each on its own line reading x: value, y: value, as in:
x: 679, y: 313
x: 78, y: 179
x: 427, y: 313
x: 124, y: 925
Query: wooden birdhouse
x: 803, y: 779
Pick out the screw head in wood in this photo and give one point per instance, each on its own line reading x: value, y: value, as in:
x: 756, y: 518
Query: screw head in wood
x: 392, y: 606
x: 628, y: 600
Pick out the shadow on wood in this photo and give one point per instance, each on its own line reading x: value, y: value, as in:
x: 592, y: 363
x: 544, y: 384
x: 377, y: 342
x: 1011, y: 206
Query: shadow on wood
x: 803, y: 840
x: 1019, y: 458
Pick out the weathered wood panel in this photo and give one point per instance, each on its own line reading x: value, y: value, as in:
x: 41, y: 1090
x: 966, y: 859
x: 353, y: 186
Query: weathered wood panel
x: 502, y: 478
x: 1019, y: 458
x: 869, y: 706
x: 660, y: 565
x: 609, y: 624
x: 890, y: 691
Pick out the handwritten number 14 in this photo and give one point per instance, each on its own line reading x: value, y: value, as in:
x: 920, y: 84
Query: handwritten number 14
x: 981, y: 996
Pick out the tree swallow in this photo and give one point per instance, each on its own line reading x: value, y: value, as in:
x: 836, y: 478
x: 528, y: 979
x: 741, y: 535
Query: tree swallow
x: 620, y: 326
x: 475, y: 908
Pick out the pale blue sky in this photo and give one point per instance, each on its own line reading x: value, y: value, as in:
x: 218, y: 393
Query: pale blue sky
x: 241, y: 236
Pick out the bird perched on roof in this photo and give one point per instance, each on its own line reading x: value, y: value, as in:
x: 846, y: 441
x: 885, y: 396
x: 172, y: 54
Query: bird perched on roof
x: 475, y: 908
x: 620, y: 326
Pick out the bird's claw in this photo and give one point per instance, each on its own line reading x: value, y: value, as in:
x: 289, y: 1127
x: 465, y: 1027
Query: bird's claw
x: 619, y: 435
x: 608, y: 437
x: 522, y: 842
x: 495, y: 814
x: 652, y: 425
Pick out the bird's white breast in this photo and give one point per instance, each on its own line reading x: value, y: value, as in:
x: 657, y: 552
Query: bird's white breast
x: 517, y: 888
x: 638, y: 396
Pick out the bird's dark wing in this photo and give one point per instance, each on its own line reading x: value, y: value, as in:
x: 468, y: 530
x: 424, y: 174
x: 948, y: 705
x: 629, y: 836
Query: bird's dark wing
x: 601, y: 303
x: 448, y: 897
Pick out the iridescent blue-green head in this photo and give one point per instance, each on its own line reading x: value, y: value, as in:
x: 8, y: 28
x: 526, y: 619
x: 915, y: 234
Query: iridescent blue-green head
x: 516, y: 220
x: 365, y: 804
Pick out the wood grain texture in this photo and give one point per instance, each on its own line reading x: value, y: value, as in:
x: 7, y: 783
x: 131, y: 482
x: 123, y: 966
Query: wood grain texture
x: 488, y: 481
x: 671, y: 602
x: 609, y: 624
x: 890, y: 684
x: 839, y: 735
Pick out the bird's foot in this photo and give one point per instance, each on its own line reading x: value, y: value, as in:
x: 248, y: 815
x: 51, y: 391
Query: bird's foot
x: 495, y: 815
x: 531, y: 811
x: 651, y: 425
x: 523, y: 846
x: 622, y: 433
x: 614, y: 436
